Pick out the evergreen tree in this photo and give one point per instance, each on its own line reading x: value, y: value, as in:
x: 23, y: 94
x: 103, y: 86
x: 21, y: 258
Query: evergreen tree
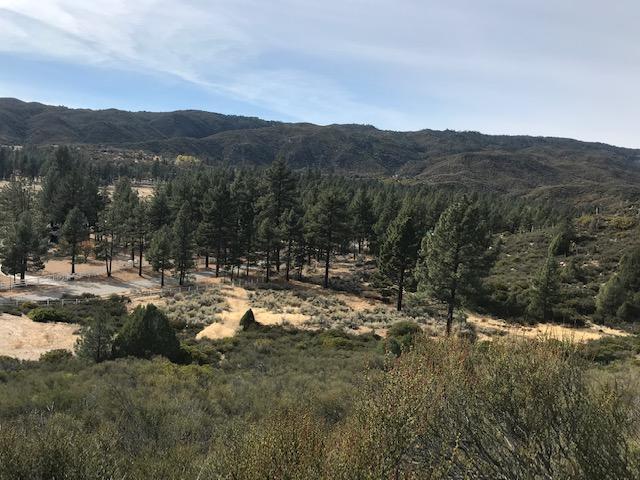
x: 280, y: 195
x: 69, y: 183
x: 454, y: 257
x: 244, y: 201
x: 183, y: 243
x: 266, y: 239
x: 16, y: 197
x: 292, y: 234
x: 563, y: 239
x: 399, y: 251
x: 362, y: 218
x: 74, y: 230
x: 141, y: 229
x: 214, y: 230
x: 23, y: 244
x: 96, y: 339
x: 386, y: 207
x: 160, y: 251
x: 159, y: 210
x: 545, y: 290
x: 620, y: 296
x: 146, y: 332
x: 328, y: 224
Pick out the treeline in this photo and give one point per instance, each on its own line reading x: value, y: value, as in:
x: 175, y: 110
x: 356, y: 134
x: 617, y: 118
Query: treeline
x: 274, y: 220
x: 33, y: 162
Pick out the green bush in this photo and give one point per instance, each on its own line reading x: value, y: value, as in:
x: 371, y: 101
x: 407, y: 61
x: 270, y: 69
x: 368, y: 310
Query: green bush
x: 145, y: 333
x: 248, y: 321
x: 49, y: 314
x: 401, y: 336
x: 56, y: 356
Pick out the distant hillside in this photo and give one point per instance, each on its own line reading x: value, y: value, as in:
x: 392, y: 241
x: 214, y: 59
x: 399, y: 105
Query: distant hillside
x: 539, y: 166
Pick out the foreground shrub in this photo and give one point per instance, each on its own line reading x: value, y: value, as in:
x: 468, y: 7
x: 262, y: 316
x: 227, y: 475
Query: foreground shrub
x: 504, y: 410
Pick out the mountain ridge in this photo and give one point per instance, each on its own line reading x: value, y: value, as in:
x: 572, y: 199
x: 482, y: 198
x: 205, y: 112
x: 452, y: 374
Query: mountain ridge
x: 520, y: 163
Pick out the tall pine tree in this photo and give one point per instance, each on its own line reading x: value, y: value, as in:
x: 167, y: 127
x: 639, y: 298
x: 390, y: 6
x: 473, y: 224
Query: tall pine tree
x: 455, y: 256
x: 399, y: 251
x: 182, y: 249
x: 328, y: 224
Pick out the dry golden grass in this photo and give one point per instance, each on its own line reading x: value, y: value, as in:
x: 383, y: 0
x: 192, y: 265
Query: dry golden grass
x: 22, y: 338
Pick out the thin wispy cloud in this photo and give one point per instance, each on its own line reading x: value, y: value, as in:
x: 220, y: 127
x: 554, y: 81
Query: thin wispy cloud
x: 541, y: 67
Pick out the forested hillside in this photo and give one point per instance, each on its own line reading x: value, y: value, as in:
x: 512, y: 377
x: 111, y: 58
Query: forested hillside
x: 546, y: 167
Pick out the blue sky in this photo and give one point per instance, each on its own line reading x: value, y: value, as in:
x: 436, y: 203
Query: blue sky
x: 547, y: 67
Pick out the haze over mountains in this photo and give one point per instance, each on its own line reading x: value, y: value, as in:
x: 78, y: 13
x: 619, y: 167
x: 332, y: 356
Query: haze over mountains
x: 541, y: 166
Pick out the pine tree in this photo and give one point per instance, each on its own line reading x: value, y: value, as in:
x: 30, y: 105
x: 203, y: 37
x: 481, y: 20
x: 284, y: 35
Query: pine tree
x: 266, y: 239
x: 563, y: 239
x: 23, y: 244
x: 96, y: 339
x: 244, y: 201
x: 159, y: 210
x: 141, y: 229
x: 362, y: 218
x: 545, y: 290
x: 69, y: 182
x: 454, y: 257
x: 280, y: 195
x: 620, y: 296
x: 182, y: 248
x: 399, y: 251
x: 160, y: 251
x: 386, y: 207
x: 292, y: 234
x: 16, y: 197
x: 328, y: 224
x: 74, y: 230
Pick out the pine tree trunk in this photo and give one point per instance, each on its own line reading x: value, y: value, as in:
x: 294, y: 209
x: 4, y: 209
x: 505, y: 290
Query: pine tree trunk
x: 267, y: 273
x: 400, y: 288
x: 326, y: 269
x: 288, y: 260
x: 162, y: 277
x: 206, y: 261
x: 73, y: 260
x: 218, y: 260
x: 140, y: 249
x: 277, y: 251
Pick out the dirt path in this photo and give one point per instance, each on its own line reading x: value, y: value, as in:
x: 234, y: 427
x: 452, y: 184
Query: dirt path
x: 22, y: 338
x: 238, y: 301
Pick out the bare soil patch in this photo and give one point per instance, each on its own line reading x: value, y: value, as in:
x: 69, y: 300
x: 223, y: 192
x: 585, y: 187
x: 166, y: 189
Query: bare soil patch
x: 22, y: 338
x: 488, y: 327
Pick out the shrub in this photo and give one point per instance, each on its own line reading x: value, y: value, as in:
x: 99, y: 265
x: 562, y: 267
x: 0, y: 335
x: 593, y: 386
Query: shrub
x: 450, y: 409
x: 56, y: 356
x: 248, y: 320
x: 146, y: 333
x: 48, y: 314
x: 401, y: 336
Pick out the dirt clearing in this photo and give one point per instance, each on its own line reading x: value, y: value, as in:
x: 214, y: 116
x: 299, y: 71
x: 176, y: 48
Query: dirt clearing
x: 22, y: 338
x: 488, y: 327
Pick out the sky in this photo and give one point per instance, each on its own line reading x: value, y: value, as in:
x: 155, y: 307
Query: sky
x: 568, y: 68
